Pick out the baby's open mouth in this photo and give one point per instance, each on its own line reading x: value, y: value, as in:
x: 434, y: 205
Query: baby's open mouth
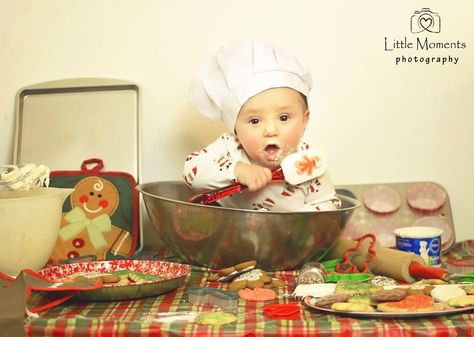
x: 272, y: 151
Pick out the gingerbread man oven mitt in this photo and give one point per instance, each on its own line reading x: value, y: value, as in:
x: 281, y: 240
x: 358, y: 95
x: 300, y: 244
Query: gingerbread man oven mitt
x: 100, y: 218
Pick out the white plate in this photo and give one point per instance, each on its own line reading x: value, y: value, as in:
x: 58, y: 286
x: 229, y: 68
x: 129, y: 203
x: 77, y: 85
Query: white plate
x: 309, y: 302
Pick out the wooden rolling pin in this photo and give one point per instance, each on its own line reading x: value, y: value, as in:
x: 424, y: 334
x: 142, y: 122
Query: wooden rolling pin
x: 389, y: 262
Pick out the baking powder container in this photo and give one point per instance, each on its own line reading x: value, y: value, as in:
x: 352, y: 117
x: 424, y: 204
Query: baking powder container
x: 424, y: 241
x: 310, y: 273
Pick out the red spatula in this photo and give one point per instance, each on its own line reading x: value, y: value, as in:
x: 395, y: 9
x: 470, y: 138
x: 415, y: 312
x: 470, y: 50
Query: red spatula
x: 295, y: 169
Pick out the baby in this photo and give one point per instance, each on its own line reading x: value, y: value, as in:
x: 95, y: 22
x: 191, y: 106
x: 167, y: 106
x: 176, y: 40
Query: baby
x: 260, y: 93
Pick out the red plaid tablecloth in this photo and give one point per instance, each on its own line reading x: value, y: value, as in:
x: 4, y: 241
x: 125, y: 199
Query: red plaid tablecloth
x: 144, y: 317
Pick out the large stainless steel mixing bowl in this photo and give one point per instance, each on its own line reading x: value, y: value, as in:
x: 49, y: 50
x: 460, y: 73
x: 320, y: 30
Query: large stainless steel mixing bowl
x: 219, y: 237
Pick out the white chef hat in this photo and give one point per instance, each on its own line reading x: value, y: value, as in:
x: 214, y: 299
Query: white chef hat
x: 241, y: 70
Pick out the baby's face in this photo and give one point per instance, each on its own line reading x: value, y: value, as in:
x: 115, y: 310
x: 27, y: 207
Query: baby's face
x: 270, y: 125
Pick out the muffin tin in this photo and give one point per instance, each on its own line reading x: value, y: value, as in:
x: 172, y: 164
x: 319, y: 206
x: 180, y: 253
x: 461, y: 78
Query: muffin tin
x: 463, y: 265
x: 388, y: 206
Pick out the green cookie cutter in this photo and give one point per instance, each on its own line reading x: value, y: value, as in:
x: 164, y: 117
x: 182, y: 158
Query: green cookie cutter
x: 358, y: 277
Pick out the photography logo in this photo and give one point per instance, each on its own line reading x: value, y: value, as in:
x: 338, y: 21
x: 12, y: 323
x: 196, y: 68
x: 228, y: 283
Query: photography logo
x: 426, y: 45
x: 425, y: 20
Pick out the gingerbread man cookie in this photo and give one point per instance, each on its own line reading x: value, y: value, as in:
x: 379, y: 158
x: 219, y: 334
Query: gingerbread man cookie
x: 245, y: 275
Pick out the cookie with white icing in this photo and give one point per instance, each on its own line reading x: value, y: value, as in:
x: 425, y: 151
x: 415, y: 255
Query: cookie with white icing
x: 443, y: 294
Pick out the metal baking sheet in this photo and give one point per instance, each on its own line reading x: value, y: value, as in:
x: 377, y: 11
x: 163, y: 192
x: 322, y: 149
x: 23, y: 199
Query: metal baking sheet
x: 364, y: 220
x: 62, y: 123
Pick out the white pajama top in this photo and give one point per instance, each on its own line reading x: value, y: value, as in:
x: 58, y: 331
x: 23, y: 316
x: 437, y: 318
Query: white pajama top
x: 213, y: 167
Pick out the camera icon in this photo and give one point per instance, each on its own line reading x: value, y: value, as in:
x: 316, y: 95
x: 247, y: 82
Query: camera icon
x: 425, y: 20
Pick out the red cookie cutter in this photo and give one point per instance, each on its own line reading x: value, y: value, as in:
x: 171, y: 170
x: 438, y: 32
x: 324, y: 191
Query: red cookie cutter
x: 346, y: 265
x: 287, y: 311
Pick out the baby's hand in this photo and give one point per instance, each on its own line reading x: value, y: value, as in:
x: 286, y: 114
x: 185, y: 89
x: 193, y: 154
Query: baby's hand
x: 253, y: 176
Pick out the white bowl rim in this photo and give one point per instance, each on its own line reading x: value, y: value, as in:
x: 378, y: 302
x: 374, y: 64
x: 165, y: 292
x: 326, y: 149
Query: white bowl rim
x: 40, y: 192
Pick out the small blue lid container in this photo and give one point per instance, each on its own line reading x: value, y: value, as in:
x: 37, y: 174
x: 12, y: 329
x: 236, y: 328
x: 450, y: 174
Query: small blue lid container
x: 421, y: 240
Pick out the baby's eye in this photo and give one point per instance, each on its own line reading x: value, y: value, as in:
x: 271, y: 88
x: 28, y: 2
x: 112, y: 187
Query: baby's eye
x: 254, y: 121
x: 284, y: 118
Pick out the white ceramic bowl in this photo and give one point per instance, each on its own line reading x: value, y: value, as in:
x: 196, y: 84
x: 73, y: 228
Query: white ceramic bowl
x: 29, y: 226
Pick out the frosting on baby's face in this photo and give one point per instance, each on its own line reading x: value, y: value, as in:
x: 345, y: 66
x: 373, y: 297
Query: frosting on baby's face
x: 270, y: 125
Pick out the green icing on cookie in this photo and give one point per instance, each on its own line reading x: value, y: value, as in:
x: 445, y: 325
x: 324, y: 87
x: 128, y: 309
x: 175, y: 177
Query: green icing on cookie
x: 134, y: 275
x: 354, y: 287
